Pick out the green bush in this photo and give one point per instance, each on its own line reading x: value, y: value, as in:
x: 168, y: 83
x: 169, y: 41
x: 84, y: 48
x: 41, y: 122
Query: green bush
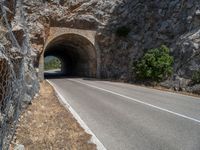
x: 53, y: 63
x: 155, y: 65
x: 123, y: 31
x: 196, y: 77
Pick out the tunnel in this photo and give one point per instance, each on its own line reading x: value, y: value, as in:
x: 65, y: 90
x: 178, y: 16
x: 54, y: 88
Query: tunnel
x: 77, y: 54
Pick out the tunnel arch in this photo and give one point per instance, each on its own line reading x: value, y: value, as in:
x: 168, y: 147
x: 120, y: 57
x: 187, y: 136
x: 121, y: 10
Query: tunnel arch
x: 77, y: 53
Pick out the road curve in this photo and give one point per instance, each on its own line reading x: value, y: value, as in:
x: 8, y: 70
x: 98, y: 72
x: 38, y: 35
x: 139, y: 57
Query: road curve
x: 128, y: 117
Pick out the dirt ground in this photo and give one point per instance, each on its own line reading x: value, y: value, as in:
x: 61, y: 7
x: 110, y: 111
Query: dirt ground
x: 46, y: 125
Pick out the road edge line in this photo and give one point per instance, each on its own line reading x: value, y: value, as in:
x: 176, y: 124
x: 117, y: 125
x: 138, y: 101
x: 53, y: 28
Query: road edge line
x: 67, y: 106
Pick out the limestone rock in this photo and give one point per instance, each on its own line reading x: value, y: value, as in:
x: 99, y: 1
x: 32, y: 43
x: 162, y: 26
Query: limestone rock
x: 14, y: 58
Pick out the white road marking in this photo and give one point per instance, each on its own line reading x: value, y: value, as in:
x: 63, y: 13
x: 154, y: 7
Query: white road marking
x: 64, y: 102
x: 153, y: 89
x: 138, y: 101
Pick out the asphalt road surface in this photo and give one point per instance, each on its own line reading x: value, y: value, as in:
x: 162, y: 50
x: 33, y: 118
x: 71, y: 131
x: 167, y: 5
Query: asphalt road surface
x: 128, y: 117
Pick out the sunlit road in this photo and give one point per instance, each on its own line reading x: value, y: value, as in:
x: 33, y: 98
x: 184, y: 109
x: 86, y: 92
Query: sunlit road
x: 128, y: 117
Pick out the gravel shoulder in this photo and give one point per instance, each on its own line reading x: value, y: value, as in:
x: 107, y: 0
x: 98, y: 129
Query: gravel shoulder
x: 47, y: 125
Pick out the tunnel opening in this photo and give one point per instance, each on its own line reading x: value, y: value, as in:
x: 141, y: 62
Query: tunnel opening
x: 76, y: 54
x: 53, y: 66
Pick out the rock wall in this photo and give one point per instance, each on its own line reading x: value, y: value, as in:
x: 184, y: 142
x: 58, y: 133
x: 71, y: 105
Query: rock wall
x: 18, y: 81
x: 175, y: 23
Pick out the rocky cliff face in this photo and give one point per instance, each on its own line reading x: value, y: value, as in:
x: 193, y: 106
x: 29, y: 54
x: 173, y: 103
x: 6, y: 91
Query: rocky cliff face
x: 18, y: 81
x: 175, y: 23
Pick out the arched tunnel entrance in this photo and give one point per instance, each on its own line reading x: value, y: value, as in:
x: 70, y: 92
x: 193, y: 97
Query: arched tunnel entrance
x: 77, y: 54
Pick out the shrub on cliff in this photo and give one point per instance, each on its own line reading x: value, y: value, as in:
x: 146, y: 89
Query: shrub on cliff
x: 123, y: 31
x: 196, y: 77
x: 53, y: 63
x: 155, y: 65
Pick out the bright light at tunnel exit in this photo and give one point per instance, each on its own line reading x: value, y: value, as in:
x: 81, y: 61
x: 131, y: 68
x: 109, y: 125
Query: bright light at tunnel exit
x: 52, y: 63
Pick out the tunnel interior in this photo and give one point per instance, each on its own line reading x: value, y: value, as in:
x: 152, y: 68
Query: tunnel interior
x: 77, y: 54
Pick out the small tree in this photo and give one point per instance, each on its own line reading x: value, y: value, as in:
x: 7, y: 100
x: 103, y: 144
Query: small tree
x: 155, y: 65
x: 123, y: 31
x: 196, y: 77
x: 53, y: 63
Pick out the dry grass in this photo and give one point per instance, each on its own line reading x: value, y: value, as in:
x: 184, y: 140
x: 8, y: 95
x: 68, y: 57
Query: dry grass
x: 46, y: 125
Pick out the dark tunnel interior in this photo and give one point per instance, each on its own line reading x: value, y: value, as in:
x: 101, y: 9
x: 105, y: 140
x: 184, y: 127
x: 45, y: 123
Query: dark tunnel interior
x: 77, y: 54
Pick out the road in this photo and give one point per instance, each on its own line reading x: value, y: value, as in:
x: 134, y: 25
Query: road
x: 128, y: 117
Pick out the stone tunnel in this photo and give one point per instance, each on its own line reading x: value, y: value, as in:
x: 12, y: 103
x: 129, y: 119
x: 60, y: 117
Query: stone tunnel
x: 76, y: 49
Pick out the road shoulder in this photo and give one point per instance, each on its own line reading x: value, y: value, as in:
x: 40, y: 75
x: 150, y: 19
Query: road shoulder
x: 46, y: 124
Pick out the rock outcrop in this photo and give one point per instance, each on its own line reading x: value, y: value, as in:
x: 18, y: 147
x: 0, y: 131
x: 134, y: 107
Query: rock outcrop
x: 175, y: 23
x: 18, y: 81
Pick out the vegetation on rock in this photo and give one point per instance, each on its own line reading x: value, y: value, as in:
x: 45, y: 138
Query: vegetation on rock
x: 123, y: 31
x: 155, y: 65
x: 52, y: 63
x: 196, y: 77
